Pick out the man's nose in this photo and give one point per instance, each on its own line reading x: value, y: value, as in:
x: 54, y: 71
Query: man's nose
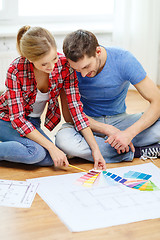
x: 83, y: 73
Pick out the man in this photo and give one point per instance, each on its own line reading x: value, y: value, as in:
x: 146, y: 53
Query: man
x: 104, y: 75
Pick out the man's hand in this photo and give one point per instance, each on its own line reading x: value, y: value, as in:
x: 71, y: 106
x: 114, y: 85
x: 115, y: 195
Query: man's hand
x: 113, y: 134
x: 115, y: 139
x: 121, y: 141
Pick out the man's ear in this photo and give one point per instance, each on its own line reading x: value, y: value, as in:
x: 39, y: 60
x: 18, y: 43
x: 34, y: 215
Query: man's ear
x: 98, y: 50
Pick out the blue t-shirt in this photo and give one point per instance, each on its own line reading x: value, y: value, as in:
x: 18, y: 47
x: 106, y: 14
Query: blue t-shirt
x: 105, y: 94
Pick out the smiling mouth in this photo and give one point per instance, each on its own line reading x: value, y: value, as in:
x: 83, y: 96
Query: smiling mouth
x: 89, y: 74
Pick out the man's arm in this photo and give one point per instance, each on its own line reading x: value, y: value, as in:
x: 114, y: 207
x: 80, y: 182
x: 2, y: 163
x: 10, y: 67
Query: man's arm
x: 151, y: 93
x: 95, y: 126
x: 108, y: 130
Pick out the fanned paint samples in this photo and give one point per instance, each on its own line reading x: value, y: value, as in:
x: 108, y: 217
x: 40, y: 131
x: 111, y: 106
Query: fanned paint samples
x: 89, y: 179
x: 132, y: 179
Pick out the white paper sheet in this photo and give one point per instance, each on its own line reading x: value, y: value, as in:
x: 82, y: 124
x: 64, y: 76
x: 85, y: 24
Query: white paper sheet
x: 17, y: 193
x: 104, y: 204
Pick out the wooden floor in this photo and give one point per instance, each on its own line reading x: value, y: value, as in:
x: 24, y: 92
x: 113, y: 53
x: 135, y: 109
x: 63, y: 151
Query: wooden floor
x: 40, y: 223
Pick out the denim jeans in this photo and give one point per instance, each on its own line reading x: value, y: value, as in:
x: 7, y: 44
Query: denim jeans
x: 15, y: 148
x: 73, y: 143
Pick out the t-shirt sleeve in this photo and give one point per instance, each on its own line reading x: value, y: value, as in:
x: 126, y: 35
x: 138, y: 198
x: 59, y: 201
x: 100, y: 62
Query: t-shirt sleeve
x: 131, y: 68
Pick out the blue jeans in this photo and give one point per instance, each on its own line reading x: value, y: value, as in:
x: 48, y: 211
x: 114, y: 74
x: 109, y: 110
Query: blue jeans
x: 73, y: 143
x: 15, y: 148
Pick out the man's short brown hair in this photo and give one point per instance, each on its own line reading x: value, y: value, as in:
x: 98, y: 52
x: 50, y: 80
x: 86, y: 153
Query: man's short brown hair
x: 80, y: 43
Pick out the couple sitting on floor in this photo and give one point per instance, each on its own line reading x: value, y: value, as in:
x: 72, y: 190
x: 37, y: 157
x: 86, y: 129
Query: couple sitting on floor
x: 92, y: 81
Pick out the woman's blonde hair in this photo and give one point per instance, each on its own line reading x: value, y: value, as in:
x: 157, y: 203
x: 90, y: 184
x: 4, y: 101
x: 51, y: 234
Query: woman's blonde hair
x: 34, y: 42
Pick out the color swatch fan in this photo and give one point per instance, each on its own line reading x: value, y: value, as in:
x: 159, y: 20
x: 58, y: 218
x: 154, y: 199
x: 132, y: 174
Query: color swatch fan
x: 136, y: 180
x: 89, y: 179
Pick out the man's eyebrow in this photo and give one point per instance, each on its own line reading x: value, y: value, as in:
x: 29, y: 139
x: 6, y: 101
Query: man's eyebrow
x: 85, y: 66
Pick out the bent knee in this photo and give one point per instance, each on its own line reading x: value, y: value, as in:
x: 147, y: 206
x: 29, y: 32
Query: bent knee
x: 62, y: 141
x: 36, y: 154
x: 64, y: 136
x: 71, y: 142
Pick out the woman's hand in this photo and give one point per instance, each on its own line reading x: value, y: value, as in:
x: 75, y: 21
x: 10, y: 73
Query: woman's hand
x: 59, y: 158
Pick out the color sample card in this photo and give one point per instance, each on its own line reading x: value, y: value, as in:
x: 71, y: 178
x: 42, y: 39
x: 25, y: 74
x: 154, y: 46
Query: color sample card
x: 114, y: 177
x: 89, y: 179
x: 138, y: 175
x: 136, y: 180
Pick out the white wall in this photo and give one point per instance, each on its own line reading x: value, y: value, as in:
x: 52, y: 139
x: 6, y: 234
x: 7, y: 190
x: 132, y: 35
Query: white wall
x: 137, y: 28
x: 158, y: 81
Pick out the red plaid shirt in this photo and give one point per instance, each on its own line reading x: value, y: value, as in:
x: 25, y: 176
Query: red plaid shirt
x: 17, y: 101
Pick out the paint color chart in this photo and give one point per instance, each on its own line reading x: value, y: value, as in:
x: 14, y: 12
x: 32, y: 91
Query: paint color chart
x: 132, y: 179
x: 137, y: 175
x: 89, y: 179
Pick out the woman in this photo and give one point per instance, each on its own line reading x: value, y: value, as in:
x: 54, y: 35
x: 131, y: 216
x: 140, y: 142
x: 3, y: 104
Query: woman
x: 33, y: 79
